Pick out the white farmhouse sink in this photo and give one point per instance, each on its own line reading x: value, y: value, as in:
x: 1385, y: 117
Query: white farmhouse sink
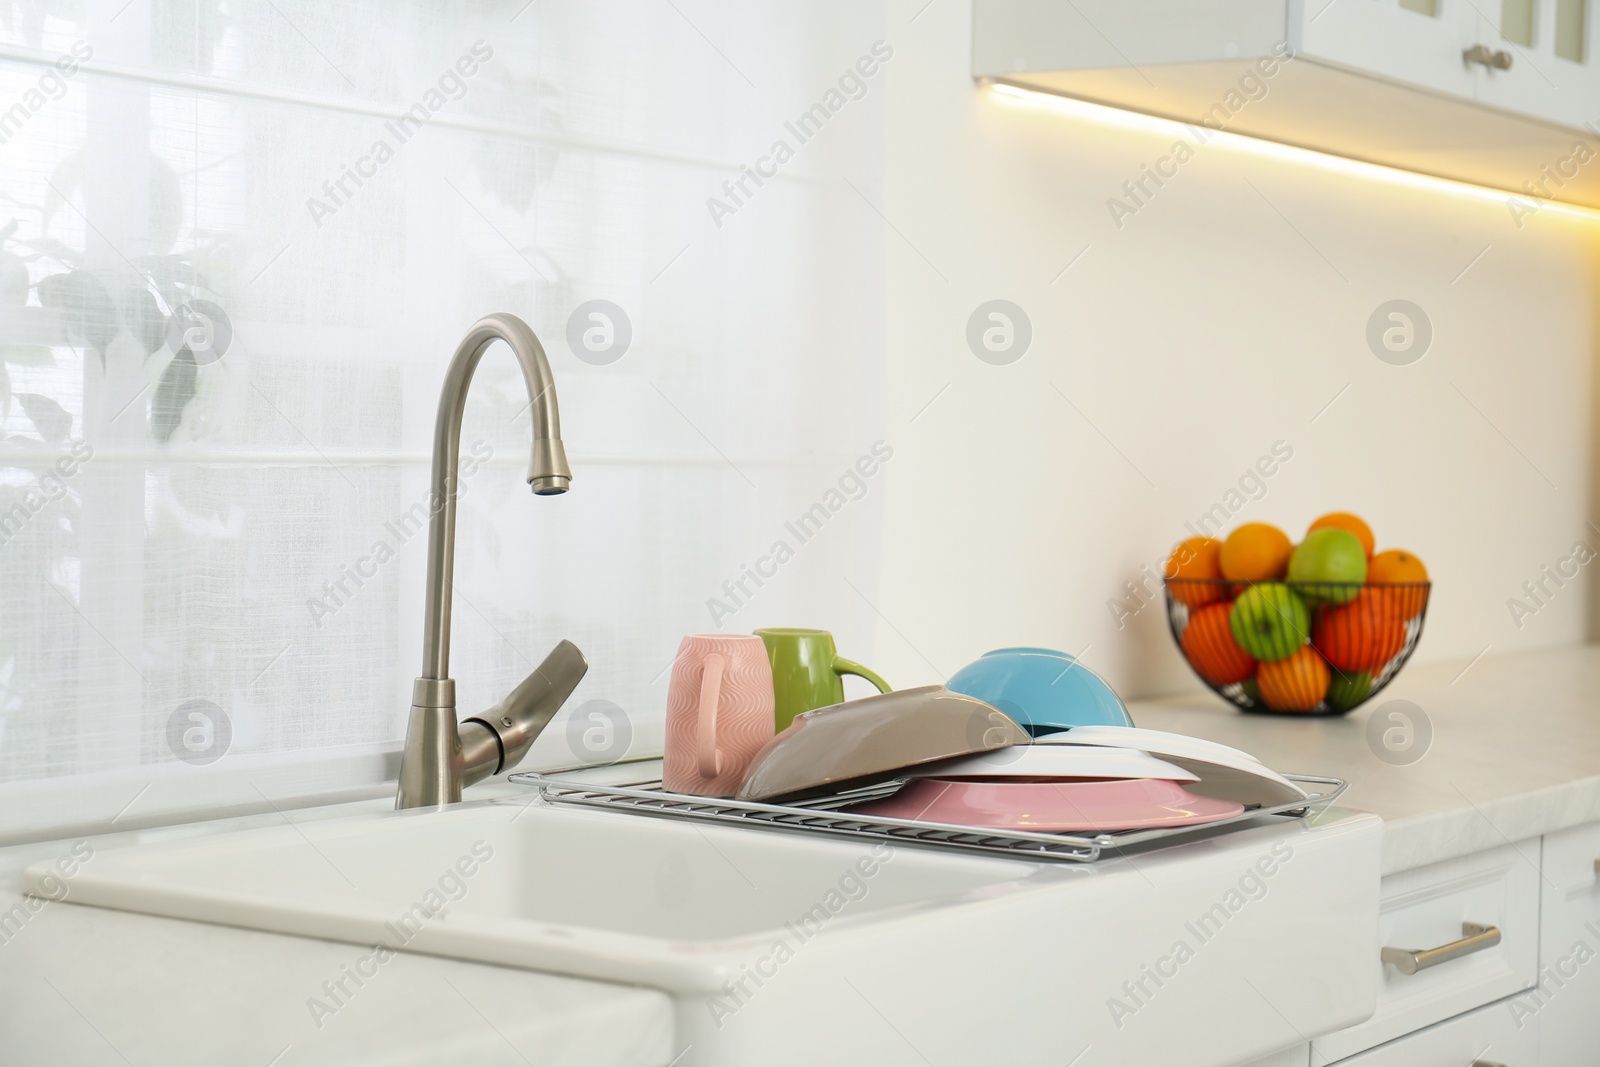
x: 783, y: 948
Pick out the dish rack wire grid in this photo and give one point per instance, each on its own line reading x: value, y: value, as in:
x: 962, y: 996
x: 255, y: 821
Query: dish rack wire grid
x: 821, y: 815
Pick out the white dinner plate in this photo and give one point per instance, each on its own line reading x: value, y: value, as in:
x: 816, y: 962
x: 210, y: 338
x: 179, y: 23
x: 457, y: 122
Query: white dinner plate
x: 1225, y: 773
x: 1056, y: 761
x: 1158, y: 741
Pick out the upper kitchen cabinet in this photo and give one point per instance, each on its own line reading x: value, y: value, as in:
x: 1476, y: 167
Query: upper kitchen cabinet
x: 1549, y: 67
x: 1494, y: 92
x: 1421, y: 43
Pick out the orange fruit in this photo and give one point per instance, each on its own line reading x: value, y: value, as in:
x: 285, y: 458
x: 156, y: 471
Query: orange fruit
x: 1362, y: 635
x: 1208, y: 645
x: 1343, y: 520
x: 1397, y: 566
x: 1199, y: 558
x: 1295, y: 684
x: 1256, y: 552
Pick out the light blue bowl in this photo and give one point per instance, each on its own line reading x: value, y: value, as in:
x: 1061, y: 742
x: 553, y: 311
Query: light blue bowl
x: 1042, y: 690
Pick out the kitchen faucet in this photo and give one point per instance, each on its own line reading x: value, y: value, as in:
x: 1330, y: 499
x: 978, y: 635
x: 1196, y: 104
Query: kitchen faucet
x: 441, y: 756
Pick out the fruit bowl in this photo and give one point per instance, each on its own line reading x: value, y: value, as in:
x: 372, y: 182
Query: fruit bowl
x: 1296, y: 648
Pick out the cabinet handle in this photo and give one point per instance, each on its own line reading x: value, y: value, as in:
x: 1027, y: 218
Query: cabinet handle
x: 1479, y: 53
x: 1475, y: 938
x: 1486, y: 1063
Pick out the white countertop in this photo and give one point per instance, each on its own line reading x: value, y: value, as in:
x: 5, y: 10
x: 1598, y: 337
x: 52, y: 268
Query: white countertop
x: 88, y: 986
x: 1515, y: 751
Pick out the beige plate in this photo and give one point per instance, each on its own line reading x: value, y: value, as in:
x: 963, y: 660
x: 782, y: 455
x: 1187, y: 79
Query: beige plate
x: 876, y: 737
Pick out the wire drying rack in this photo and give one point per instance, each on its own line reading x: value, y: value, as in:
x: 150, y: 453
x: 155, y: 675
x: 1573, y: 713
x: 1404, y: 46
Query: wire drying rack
x: 823, y: 815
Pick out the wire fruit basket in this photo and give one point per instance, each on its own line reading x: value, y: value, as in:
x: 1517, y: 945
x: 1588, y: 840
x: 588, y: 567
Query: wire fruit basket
x: 1296, y: 648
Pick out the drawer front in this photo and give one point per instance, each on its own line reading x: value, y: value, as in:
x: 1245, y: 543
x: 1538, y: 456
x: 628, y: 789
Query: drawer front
x: 1479, y: 1038
x: 1427, y: 909
x: 1565, y: 1001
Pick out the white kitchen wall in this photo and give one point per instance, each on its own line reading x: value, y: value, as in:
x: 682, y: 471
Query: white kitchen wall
x: 157, y: 154
x: 1171, y: 352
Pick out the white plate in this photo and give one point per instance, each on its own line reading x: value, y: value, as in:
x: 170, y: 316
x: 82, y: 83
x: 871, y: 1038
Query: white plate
x: 1056, y: 761
x: 1225, y: 773
x: 1157, y: 741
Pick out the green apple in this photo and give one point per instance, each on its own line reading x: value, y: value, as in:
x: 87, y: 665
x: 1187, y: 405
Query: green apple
x: 1348, y: 690
x: 1270, y: 621
x: 1328, y: 566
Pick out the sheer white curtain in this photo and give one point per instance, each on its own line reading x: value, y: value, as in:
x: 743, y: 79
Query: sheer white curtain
x: 241, y: 241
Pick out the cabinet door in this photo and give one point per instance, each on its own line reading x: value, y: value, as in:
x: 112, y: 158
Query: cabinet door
x: 1486, y: 1036
x: 1417, y: 42
x: 1566, y: 1001
x: 1427, y: 909
x: 1551, y: 47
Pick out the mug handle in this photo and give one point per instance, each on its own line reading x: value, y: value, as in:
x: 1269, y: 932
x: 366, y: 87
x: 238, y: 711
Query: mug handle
x: 850, y: 666
x: 708, y: 758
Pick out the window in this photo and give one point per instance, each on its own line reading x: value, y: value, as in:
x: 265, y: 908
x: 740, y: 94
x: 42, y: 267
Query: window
x: 238, y: 249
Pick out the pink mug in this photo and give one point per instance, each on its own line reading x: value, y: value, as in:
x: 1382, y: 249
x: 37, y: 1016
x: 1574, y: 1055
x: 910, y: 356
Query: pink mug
x: 720, y: 712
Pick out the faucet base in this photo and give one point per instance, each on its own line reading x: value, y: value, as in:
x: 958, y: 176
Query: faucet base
x: 430, y: 767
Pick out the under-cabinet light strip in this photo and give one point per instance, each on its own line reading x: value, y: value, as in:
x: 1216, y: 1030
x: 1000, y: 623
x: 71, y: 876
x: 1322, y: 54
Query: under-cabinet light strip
x: 1114, y: 116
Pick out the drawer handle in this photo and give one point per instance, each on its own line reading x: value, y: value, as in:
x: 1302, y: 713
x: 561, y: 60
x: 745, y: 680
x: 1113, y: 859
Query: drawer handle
x: 1475, y: 938
x: 1479, y: 53
x: 1486, y: 1063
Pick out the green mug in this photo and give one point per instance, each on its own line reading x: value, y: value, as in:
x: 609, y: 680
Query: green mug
x: 807, y: 670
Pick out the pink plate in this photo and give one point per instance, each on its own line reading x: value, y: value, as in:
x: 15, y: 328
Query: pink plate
x: 1051, y: 805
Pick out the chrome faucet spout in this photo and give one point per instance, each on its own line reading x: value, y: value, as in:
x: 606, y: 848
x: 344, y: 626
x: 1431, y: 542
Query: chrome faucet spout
x: 433, y: 765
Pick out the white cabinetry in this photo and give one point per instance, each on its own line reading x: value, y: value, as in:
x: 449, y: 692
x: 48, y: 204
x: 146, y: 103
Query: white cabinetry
x: 1440, y: 87
x: 1384, y: 39
x: 1566, y: 1001
x: 1531, y: 999
x: 1536, y: 58
x: 1435, y: 909
x: 1555, y: 76
x: 1480, y: 1038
